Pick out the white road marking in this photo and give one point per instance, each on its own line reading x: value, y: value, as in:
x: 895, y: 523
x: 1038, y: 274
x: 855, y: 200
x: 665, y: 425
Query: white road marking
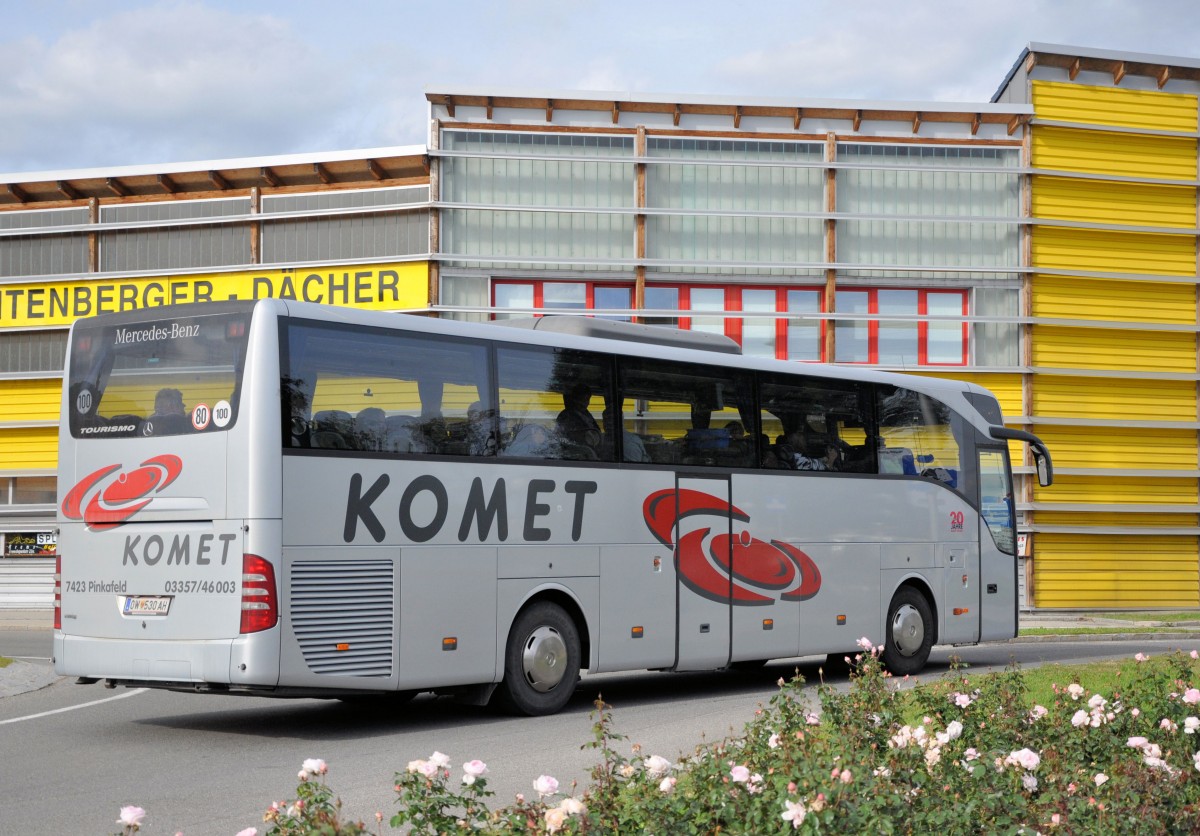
x: 132, y: 693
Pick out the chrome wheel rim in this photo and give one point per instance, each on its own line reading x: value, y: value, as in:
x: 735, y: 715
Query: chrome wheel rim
x: 908, y: 630
x: 545, y: 659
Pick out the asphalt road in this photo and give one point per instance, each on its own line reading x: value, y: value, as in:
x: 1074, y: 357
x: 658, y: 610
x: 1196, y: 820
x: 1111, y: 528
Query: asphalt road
x: 74, y: 754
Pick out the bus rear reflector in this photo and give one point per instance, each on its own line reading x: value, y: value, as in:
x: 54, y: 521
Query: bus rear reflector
x: 260, y: 601
x: 58, y: 592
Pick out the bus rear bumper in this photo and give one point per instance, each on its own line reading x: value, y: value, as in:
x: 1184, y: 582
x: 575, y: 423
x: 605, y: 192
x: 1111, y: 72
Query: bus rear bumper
x: 182, y: 663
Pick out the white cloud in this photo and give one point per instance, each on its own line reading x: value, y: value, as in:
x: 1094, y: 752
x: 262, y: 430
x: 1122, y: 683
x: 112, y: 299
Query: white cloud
x: 167, y: 82
x: 181, y: 80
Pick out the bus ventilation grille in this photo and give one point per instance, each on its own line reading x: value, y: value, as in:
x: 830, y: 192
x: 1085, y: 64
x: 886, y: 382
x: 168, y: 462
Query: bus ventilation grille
x: 342, y: 614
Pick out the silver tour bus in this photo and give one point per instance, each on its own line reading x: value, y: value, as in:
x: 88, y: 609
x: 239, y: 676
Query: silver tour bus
x: 284, y: 499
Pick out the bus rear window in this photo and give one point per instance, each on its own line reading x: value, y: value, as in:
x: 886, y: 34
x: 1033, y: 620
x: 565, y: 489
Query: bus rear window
x: 170, y: 377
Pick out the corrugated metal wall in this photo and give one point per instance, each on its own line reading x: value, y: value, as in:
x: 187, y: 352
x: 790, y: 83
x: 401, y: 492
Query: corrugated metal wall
x: 29, y: 448
x: 30, y: 400
x: 1105, y: 540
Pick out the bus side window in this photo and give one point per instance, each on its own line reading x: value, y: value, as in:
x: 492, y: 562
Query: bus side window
x: 331, y: 428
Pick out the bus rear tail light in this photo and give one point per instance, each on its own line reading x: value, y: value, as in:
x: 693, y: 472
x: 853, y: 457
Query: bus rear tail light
x: 260, y: 601
x: 58, y: 592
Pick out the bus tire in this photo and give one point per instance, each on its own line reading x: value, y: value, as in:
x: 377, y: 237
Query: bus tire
x: 909, y: 632
x: 541, y: 661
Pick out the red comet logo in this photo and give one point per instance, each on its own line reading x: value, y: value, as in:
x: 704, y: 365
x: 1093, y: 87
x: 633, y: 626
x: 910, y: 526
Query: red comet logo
x: 752, y: 571
x: 114, y: 501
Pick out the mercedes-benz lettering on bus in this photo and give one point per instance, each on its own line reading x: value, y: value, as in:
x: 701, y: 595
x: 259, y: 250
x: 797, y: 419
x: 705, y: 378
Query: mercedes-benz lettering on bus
x: 285, y: 499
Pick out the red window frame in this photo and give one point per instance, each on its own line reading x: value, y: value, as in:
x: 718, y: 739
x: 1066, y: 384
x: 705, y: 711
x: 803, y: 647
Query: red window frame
x: 734, y: 327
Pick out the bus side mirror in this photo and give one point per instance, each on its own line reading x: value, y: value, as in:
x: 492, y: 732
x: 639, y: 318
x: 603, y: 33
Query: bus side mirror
x: 1042, y: 461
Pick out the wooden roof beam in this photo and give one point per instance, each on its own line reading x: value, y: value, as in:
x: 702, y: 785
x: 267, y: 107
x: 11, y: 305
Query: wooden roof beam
x: 16, y: 192
x: 1118, y: 71
x: 168, y: 185
x: 549, y: 110
x: 489, y: 108
x: 616, y: 112
x: 219, y: 182
x: 376, y: 170
x: 796, y: 118
x: 450, y: 106
x: 117, y: 187
x: 1164, y: 75
x: 67, y: 190
x: 737, y: 117
x: 1030, y: 62
x: 916, y: 123
x: 322, y: 173
x: 268, y: 176
x: 857, y: 119
x: 1073, y: 70
x: 976, y: 121
x: 678, y: 114
x: 1013, y: 124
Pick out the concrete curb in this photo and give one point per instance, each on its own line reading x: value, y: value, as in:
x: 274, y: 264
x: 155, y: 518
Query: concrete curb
x: 1189, y: 635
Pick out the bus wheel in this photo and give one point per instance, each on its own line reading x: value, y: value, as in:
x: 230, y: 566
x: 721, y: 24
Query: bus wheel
x: 909, y: 632
x: 541, y: 662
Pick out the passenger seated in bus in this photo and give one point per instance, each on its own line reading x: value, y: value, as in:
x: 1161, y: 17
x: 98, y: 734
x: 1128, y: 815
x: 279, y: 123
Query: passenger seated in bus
x: 331, y: 428
x: 369, y: 428
x: 532, y: 441
x: 822, y: 454
x: 575, y: 423
x: 633, y: 449
x: 780, y: 455
x: 736, y: 431
x: 480, y: 432
x: 170, y: 415
x: 403, y: 435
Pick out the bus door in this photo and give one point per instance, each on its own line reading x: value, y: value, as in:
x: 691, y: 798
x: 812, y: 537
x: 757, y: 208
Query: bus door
x: 703, y: 559
x: 997, y: 546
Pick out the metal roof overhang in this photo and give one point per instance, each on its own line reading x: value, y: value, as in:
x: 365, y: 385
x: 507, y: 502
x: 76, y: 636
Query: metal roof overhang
x: 363, y: 167
x: 614, y: 103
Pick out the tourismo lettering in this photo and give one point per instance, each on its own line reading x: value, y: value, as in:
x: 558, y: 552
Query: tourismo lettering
x: 480, y: 511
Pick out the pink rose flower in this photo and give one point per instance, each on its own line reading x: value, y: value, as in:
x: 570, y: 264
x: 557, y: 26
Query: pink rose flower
x: 315, y: 766
x: 131, y: 816
x: 740, y: 774
x: 546, y: 785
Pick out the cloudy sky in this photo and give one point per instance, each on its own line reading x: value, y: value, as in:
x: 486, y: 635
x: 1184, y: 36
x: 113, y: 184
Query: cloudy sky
x: 91, y: 83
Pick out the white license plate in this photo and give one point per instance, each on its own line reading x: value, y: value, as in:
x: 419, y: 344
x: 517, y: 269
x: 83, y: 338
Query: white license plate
x: 146, y: 605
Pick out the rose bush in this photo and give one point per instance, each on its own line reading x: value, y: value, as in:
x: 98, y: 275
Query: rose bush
x: 955, y: 756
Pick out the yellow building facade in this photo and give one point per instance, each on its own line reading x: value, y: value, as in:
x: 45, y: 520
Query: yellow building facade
x: 1112, y: 386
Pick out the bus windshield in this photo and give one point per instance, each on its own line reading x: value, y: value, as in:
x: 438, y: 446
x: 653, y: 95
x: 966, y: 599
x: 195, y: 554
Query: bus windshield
x: 165, y: 377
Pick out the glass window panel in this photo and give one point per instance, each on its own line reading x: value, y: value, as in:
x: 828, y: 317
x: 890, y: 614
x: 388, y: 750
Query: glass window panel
x: 568, y: 295
x: 898, y: 340
x: 550, y: 403
x: 662, y: 299
x: 853, y: 335
x: 918, y: 436
x: 5, y: 484
x: 996, y: 343
x: 34, y: 490
x: 513, y: 296
x: 688, y: 414
x: 383, y: 391
x: 996, y: 498
x: 945, y: 341
x: 708, y: 299
x: 613, y: 298
x: 466, y: 292
x: 758, y: 333
x: 804, y: 335
x: 815, y: 424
